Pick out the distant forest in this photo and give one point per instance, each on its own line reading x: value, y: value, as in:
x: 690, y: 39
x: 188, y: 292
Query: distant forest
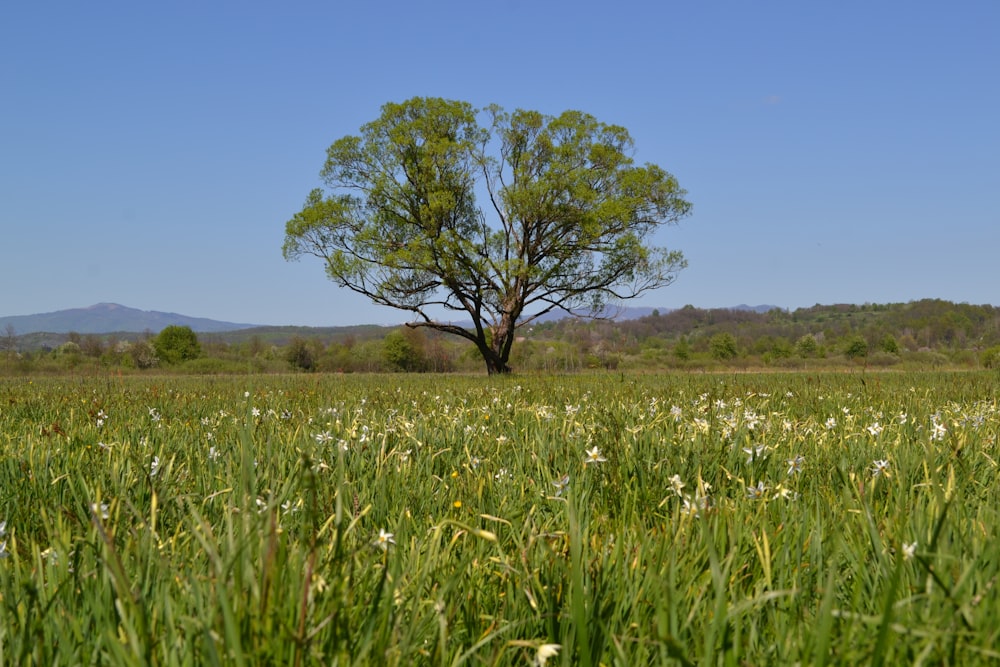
x: 930, y: 333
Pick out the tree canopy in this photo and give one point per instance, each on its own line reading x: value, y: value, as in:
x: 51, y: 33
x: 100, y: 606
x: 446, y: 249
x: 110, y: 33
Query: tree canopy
x: 176, y: 343
x: 503, y: 217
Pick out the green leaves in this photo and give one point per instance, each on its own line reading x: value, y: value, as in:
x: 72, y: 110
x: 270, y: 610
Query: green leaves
x: 506, y: 221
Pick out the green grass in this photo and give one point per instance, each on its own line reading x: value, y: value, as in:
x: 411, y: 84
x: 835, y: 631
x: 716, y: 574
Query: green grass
x: 234, y: 521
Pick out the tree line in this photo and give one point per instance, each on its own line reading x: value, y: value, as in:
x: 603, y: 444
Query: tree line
x: 919, y: 334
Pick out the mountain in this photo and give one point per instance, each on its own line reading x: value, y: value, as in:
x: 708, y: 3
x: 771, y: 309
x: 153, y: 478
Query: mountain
x: 624, y: 313
x: 111, y: 318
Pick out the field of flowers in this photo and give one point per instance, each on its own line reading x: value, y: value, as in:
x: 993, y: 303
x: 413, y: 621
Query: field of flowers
x: 602, y: 519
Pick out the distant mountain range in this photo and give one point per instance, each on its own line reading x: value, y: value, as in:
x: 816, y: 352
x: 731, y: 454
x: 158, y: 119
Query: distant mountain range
x: 111, y: 318
x: 105, y: 318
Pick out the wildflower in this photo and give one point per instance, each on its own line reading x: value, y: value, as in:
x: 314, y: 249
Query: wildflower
x: 831, y: 424
x: 880, y: 467
x: 786, y: 494
x: 154, y: 467
x: 383, y: 540
x: 323, y: 438
x: 902, y: 417
x: 795, y: 465
x: 755, y: 453
x: 101, y: 509
x: 693, y: 507
x: 909, y: 550
x: 594, y: 456
x: 938, y: 431
x: 255, y: 412
x: 756, y: 492
x: 676, y: 484
x: 875, y: 429
x: 213, y: 454
x: 544, y: 652
x: 561, y: 484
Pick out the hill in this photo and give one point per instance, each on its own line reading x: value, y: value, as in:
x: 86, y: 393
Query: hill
x: 103, y: 318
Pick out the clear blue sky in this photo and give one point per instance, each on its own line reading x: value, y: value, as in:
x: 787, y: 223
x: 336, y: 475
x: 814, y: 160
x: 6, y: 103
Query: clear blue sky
x: 150, y: 153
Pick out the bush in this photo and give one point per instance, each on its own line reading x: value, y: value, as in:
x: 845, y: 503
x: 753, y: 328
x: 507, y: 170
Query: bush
x: 856, y: 348
x: 990, y: 358
x: 889, y: 344
x: 142, y: 355
x: 723, y: 346
x: 807, y: 346
x: 299, y: 356
x: 403, y: 350
x: 176, y: 344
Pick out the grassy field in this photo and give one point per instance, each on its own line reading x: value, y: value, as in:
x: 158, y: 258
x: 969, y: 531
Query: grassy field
x: 631, y: 520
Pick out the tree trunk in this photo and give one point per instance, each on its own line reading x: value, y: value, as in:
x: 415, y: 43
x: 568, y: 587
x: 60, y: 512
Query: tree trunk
x: 495, y: 356
x: 497, y: 367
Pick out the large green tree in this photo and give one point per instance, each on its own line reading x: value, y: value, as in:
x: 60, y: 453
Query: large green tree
x: 501, y: 216
x: 177, y: 343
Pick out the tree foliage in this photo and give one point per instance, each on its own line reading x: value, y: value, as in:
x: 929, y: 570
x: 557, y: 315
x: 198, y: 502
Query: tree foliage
x: 175, y: 344
x: 437, y: 206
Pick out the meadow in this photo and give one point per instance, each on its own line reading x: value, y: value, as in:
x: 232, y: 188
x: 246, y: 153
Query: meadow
x: 615, y: 519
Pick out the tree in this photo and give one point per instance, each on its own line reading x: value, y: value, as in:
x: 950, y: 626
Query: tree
x: 175, y: 344
x: 565, y: 221
x: 9, y: 340
x: 723, y: 346
x: 298, y: 354
x: 856, y: 347
x: 807, y: 346
x: 403, y: 350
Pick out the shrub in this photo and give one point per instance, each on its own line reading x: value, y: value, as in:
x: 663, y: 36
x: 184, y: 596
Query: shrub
x: 403, y: 350
x: 298, y: 355
x: 991, y: 357
x: 807, y: 346
x: 856, y: 348
x: 723, y: 346
x: 143, y: 355
x: 176, y: 344
x: 889, y: 344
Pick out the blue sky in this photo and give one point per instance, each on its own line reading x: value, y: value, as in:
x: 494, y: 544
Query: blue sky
x: 835, y: 152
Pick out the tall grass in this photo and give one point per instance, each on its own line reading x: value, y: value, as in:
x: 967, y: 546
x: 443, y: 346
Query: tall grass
x: 747, y: 519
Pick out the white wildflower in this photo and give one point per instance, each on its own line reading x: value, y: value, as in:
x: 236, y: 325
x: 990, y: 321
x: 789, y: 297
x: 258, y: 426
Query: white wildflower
x: 594, y: 456
x: 676, y: 484
x: 544, y: 652
x: 880, y: 467
x: 383, y: 540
